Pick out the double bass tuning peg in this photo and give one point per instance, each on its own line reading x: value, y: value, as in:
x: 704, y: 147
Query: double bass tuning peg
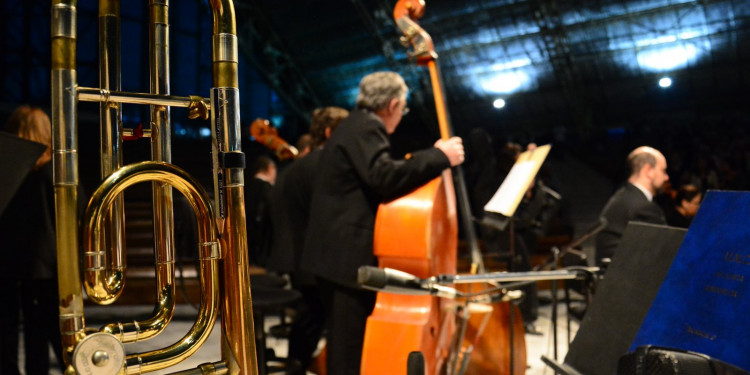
x: 404, y: 41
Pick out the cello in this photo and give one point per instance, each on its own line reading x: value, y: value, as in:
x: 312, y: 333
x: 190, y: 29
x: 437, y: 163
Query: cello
x: 417, y: 234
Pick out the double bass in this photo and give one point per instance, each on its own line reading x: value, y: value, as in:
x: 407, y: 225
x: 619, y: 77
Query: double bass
x: 418, y: 234
x: 267, y: 135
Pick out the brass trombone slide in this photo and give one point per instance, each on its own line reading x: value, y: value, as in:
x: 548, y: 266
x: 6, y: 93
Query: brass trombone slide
x: 224, y: 267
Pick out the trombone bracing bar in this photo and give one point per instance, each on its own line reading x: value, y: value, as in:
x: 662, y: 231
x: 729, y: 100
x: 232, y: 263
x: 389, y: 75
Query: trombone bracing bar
x: 201, y: 105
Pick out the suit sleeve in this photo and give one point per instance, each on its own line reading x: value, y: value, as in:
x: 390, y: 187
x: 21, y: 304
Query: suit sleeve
x: 370, y: 154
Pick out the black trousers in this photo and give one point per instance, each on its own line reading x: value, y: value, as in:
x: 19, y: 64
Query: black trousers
x: 307, y: 327
x: 346, y: 311
x: 37, y: 302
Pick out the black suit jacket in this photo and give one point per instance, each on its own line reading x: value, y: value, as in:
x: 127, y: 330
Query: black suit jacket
x: 627, y: 204
x: 27, y: 229
x: 355, y: 174
x: 290, y: 211
x: 258, y: 213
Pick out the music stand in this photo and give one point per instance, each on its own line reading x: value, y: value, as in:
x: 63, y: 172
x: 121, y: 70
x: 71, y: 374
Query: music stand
x: 17, y: 157
x: 622, y: 299
x: 508, y: 196
x: 702, y: 302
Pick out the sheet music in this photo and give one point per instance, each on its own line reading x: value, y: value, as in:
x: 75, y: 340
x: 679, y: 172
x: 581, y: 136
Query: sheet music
x: 506, y: 198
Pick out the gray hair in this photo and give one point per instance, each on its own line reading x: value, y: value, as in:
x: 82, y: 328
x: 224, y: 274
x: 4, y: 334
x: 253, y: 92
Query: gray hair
x: 377, y: 89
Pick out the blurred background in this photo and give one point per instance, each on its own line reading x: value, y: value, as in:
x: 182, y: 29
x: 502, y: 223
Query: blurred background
x: 593, y: 77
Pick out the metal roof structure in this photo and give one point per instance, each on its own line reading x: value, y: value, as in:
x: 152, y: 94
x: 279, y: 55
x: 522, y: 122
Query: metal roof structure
x: 574, y: 65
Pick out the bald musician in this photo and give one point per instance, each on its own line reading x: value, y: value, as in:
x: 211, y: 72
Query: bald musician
x: 635, y: 200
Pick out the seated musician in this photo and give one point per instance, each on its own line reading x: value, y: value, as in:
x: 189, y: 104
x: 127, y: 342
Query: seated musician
x: 634, y: 200
x: 356, y: 173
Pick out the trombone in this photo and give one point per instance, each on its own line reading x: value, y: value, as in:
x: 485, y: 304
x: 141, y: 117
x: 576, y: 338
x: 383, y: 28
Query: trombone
x: 224, y: 272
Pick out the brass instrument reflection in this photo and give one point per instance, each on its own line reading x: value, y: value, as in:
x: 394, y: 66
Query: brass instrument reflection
x: 224, y: 270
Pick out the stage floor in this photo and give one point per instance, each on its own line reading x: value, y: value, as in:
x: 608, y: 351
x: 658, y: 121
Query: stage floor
x: 536, y: 345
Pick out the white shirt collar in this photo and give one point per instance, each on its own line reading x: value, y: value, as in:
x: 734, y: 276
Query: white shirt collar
x: 645, y: 191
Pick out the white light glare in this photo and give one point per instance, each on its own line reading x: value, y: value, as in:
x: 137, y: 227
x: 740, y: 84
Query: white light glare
x: 498, y: 103
x: 205, y: 132
x: 505, y: 83
x: 512, y: 64
x: 665, y: 82
x: 668, y: 58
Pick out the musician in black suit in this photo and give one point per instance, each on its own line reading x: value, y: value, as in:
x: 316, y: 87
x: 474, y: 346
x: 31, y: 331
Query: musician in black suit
x: 289, y: 213
x: 356, y: 173
x: 257, y: 209
x: 28, y: 265
x: 635, y: 200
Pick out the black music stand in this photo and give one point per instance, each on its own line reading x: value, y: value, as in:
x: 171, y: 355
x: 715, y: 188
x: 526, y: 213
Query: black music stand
x: 17, y: 157
x: 508, y: 196
x: 506, y: 199
x: 622, y: 299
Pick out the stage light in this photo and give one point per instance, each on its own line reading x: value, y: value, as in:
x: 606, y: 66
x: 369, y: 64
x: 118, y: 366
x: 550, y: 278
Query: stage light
x: 205, y: 132
x: 498, y: 103
x: 665, y: 82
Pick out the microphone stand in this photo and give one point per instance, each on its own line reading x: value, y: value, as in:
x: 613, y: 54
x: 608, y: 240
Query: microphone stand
x: 560, y: 274
x: 553, y: 276
x: 553, y: 288
x: 556, y: 255
x: 500, y: 225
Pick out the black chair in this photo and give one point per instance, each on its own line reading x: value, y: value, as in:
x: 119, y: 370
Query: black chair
x: 270, y: 297
x: 270, y: 280
x: 267, y: 280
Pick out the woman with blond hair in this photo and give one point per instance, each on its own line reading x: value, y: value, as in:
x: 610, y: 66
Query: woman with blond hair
x: 29, y: 259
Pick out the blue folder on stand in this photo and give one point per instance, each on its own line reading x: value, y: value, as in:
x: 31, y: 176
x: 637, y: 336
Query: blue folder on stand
x: 703, y: 304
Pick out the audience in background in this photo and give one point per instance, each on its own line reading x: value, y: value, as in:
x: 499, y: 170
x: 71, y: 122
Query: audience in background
x: 683, y: 207
x: 708, y: 154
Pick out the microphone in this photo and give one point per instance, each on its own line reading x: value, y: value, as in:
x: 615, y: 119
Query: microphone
x: 399, y: 282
